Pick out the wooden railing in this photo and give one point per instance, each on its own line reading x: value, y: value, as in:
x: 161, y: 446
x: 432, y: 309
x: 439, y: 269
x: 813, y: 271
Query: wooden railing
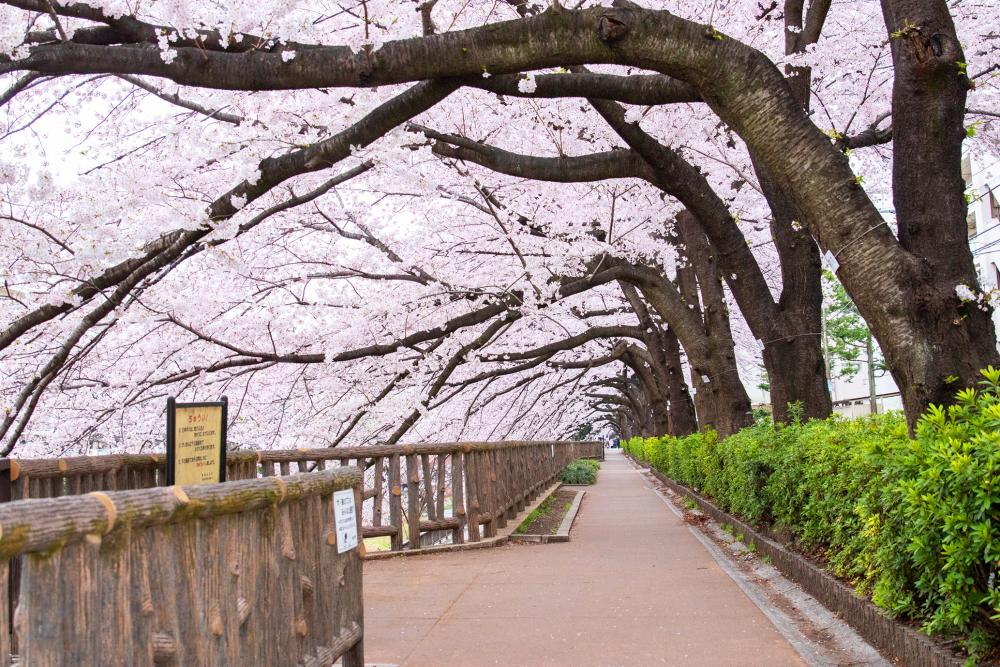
x: 242, y: 573
x: 413, y: 494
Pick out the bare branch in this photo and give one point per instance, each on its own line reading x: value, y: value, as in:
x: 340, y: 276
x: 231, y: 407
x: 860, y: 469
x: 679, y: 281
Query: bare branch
x: 177, y: 100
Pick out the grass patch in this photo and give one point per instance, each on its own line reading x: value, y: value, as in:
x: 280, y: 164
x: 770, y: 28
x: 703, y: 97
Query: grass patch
x: 535, y: 514
x: 547, y: 518
x: 383, y: 543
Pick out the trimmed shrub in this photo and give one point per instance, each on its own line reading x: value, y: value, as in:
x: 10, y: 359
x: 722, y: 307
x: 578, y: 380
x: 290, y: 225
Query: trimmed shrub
x: 913, y: 523
x: 580, y: 471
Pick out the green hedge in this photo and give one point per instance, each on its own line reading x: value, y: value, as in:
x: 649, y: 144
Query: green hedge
x: 580, y: 471
x: 913, y: 523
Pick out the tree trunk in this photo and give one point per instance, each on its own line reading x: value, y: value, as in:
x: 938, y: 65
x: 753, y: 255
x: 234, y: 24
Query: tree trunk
x: 721, y: 399
x: 681, y: 407
x: 954, y: 338
x: 798, y: 307
x: 793, y: 354
x: 796, y: 362
x: 652, y: 396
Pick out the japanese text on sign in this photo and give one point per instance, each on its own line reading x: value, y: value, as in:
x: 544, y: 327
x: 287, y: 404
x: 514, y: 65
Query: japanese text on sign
x: 346, y: 520
x: 197, y: 444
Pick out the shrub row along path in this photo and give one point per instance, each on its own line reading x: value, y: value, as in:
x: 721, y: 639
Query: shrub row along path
x: 633, y: 587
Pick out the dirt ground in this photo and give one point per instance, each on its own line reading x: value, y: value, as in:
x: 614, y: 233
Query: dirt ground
x: 548, y: 523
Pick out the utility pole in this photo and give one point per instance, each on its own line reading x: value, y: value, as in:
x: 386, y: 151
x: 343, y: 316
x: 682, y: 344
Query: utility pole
x: 826, y: 350
x: 872, y: 393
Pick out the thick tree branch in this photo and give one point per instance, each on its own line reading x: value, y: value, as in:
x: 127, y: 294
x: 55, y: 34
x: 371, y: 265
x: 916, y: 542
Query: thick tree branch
x: 739, y: 83
x: 685, y: 182
x: 642, y: 89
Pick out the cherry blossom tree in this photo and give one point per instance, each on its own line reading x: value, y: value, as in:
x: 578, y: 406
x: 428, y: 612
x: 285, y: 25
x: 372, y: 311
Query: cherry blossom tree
x: 389, y: 222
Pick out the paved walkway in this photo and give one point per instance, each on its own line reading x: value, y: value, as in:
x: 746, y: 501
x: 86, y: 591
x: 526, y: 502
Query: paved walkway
x: 633, y: 587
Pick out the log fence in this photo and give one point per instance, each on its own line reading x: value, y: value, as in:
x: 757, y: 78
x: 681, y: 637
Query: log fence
x: 239, y: 573
x: 487, y: 483
x: 80, y: 535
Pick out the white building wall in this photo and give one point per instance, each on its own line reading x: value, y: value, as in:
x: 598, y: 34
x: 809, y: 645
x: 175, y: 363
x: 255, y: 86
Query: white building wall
x: 850, y: 397
x: 983, y: 176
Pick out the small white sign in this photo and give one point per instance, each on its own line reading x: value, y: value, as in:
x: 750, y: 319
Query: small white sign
x: 830, y: 262
x: 346, y: 520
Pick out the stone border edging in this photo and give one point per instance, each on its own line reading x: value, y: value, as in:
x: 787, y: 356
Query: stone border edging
x: 567, y: 522
x: 886, y: 634
x: 561, y: 535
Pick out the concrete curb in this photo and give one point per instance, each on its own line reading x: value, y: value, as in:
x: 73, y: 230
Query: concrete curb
x: 561, y: 535
x: 567, y: 522
x: 888, y: 635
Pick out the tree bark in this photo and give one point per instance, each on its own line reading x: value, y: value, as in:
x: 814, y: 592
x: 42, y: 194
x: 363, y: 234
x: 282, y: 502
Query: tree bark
x: 653, y: 398
x: 928, y: 111
x: 793, y: 355
x: 683, y: 420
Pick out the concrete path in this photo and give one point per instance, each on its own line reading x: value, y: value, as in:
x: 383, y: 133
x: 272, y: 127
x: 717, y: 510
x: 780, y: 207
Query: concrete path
x: 633, y: 587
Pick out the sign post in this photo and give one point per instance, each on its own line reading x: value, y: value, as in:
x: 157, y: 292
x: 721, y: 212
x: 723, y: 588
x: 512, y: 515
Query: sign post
x: 196, y: 442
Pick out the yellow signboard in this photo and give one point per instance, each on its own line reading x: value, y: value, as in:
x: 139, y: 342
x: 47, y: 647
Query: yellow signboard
x: 196, y: 443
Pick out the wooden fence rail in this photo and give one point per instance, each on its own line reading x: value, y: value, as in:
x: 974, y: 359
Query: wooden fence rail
x: 413, y: 494
x: 242, y: 573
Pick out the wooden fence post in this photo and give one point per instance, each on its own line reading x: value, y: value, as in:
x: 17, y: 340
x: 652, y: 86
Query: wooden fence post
x: 441, y: 475
x: 379, y: 496
x: 488, y: 476
x: 11, y: 575
x: 395, y: 503
x: 472, y: 493
x: 458, y: 497
x: 413, y: 500
x: 355, y: 656
x: 425, y: 468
